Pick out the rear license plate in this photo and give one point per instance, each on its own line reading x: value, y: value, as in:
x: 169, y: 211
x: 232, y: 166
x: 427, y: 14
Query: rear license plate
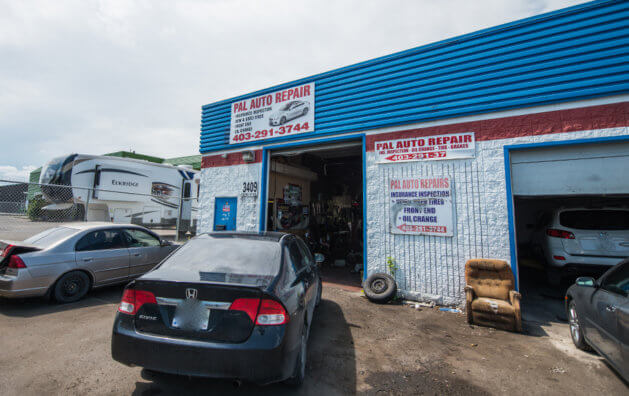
x: 191, y: 315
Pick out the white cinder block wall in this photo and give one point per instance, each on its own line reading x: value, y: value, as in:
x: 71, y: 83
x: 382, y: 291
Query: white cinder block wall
x: 227, y: 181
x: 432, y: 267
x: 429, y: 267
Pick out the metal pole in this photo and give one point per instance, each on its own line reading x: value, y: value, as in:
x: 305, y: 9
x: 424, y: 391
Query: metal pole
x: 87, y: 204
x: 179, y: 214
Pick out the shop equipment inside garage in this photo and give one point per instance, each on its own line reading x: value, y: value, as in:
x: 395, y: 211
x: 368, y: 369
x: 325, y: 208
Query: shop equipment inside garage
x: 550, y: 177
x: 316, y: 193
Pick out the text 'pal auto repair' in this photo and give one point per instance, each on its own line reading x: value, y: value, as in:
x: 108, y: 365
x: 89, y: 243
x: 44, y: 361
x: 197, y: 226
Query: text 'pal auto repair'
x: 453, y: 146
x: 281, y: 113
x: 421, y: 206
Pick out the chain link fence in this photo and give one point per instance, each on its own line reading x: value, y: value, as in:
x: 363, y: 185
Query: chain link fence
x: 29, y: 208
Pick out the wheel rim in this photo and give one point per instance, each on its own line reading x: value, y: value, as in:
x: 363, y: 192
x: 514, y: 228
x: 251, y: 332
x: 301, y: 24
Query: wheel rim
x: 72, y: 286
x: 283, y: 120
x: 378, y: 286
x: 575, y: 330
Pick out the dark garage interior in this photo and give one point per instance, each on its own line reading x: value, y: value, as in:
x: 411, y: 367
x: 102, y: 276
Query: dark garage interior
x: 316, y: 193
x: 571, y: 208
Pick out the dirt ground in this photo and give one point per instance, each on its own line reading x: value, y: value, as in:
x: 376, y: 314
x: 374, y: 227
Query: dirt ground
x: 355, y: 348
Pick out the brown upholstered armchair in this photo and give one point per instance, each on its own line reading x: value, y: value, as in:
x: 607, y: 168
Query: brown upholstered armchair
x: 491, y: 299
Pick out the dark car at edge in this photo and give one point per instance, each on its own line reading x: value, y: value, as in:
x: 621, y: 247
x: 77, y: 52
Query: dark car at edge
x: 598, y: 312
x: 225, y: 305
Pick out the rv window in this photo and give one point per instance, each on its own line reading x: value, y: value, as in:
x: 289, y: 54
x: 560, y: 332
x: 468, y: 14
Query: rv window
x: 139, y: 238
x: 100, y: 240
x: 186, y: 190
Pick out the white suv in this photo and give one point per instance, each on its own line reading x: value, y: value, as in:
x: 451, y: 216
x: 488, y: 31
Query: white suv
x: 582, y: 238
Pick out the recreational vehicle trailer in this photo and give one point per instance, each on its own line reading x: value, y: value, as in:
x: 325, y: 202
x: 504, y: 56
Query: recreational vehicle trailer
x: 122, y: 190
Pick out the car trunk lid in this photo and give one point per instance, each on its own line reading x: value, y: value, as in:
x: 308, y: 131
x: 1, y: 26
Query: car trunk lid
x: 196, y: 311
x: 597, y: 232
x: 9, y: 248
x: 598, y: 243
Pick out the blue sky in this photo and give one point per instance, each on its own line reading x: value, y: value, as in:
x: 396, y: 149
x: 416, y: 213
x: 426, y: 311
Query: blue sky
x: 100, y: 76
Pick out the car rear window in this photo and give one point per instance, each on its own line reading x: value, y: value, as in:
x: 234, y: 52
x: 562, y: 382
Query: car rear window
x: 50, y: 237
x: 595, y: 219
x: 227, y: 259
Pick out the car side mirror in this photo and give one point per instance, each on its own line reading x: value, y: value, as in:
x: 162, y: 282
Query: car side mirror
x: 164, y: 242
x: 586, y: 281
x: 319, y: 258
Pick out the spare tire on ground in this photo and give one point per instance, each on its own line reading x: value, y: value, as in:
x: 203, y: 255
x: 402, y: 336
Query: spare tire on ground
x: 380, y: 288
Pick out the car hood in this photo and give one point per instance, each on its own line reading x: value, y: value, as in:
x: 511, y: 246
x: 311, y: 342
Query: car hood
x: 278, y: 114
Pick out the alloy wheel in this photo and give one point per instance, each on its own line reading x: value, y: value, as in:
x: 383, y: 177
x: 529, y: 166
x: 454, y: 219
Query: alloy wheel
x: 575, y: 330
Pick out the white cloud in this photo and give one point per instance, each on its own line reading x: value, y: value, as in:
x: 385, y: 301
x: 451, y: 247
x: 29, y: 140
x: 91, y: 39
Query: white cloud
x: 100, y: 76
x: 11, y: 173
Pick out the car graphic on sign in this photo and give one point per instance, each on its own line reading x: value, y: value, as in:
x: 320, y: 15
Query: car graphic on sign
x: 289, y: 111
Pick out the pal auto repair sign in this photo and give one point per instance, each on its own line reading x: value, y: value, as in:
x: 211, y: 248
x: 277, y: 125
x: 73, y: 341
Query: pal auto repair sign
x: 442, y: 147
x: 421, y: 206
x: 281, y: 113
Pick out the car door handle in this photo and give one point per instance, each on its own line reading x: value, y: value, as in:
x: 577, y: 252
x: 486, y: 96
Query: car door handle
x: 610, y: 308
x: 137, y: 254
x: 87, y: 259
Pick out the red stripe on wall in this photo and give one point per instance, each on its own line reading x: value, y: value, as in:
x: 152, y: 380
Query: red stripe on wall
x: 211, y: 161
x: 570, y: 120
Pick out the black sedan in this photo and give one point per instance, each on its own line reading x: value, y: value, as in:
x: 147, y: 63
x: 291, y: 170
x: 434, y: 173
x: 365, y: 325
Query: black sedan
x: 598, y: 311
x: 225, y: 305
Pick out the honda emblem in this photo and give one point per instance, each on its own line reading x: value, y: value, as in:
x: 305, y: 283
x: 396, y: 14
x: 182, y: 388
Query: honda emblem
x: 192, y: 293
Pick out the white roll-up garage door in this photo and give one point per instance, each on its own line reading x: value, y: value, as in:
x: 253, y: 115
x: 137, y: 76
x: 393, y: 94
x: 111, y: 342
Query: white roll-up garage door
x: 578, y: 169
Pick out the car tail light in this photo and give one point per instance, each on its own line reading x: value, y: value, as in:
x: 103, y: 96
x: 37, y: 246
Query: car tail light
x: 559, y: 233
x: 16, y: 262
x: 559, y: 258
x: 271, y: 313
x: 132, y: 300
x: 264, y: 313
x: 6, y: 251
x: 248, y: 305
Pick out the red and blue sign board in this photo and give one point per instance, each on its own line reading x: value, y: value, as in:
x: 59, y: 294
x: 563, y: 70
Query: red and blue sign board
x: 225, y: 210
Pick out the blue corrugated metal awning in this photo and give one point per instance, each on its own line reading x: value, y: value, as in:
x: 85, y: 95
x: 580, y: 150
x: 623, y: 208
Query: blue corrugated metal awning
x: 570, y: 54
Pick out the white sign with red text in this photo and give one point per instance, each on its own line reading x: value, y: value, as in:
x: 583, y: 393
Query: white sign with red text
x: 282, y: 113
x: 421, y: 206
x: 442, y: 147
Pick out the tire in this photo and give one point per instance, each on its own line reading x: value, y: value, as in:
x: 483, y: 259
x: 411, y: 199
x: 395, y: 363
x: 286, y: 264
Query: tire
x: 576, y: 331
x: 299, y: 373
x: 71, y: 287
x: 380, y: 288
x: 149, y: 375
x: 319, y: 291
x: 282, y: 120
x: 303, y: 113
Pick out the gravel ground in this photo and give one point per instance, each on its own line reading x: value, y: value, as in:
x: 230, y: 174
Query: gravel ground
x: 355, y: 347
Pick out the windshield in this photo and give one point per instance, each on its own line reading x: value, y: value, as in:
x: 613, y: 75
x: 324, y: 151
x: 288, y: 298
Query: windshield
x: 227, y: 259
x: 50, y: 237
x: 57, y: 170
x: 595, y: 219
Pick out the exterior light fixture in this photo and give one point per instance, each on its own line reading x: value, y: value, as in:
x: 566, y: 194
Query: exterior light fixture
x: 248, y: 156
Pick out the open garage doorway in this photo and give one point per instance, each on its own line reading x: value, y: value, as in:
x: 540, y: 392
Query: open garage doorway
x: 571, y: 213
x: 316, y: 192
